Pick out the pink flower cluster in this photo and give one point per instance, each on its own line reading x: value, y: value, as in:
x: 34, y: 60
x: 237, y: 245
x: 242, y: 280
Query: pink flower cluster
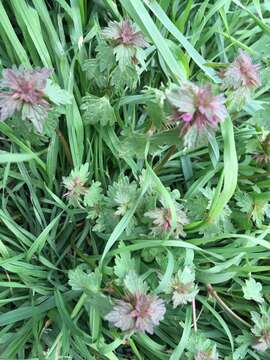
x: 197, y: 106
x: 140, y: 312
x: 124, y: 33
x: 23, y: 89
x: 241, y: 73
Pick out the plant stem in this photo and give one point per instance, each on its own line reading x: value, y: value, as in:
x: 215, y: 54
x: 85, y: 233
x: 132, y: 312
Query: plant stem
x: 194, y: 315
x: 158, y: 167
x: 65, y: 146
x: 225, y: 307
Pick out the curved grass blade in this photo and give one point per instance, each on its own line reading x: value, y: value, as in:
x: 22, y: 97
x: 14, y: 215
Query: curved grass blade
x: 143, y: 18
x: 192, y: 52
x: 178, y: 351
x: 230, y: 171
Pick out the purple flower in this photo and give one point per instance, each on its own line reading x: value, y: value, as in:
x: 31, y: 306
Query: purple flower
x: 140, y: 312
x: 162, y: 220
x: 197, y: 106
x: 23, y: 89
x: 124, y: 33
x: 127, y: 43
x: 242, y: 73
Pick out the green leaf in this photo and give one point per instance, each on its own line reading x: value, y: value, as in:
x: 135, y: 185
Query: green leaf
x: 105, y: 57
x: 124, y: 55
x: 57, y: 95
x: 6, y: 157
x: 244, y: 201
x: 127, y: 77
x: 98, y: 110
x: 93, y: 195
x: 100, y: 303
x: 179, y: 350
x: 261, y: 118
x: 80, y: 280
x: 230, y: 174
x: 252, y: 290
x: 123, y: 264
x: 134, y: 283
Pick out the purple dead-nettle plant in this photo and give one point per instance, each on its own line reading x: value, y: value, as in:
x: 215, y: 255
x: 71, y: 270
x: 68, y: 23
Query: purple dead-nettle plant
x: 162, y: 220
x: 201, y: 348
x: 197, y: 106
x: 137, y: 311
x: 75, y: 184
x: 124, y: 33
x: 23, y: 90
x: 183, y: 287
x: 126, y: 40
x: 240, y: 79
x: 197, y: 109
x: 261, y: 329
x: 242, y: 73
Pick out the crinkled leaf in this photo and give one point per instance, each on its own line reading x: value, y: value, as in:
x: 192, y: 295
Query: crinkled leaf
x: 122, y: 78
x: 105, y: 57
x: 51, y: 123
x: 93, y: 73
x: 36, y: 114
x: 123, y: 264
x: 100, y: 302
x: 80, y: 280
x: 187, y: 275
x: 196, y: 137
x: 244, y: 201
x: 124, y: 55
x: 98, y: 110
x: 261, y: 118
x: 252, y: 290
x: 134, y: 283
x: 93, y: 195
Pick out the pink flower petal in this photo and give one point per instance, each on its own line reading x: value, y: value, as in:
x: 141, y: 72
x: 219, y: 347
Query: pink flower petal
x: 187, y: 117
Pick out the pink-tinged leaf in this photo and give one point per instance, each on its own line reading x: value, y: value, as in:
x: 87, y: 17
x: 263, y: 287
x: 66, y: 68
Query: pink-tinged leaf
x: 197, y: 105
x: 124, y: 33
x: 23, y: 89
x: 139, y: 313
